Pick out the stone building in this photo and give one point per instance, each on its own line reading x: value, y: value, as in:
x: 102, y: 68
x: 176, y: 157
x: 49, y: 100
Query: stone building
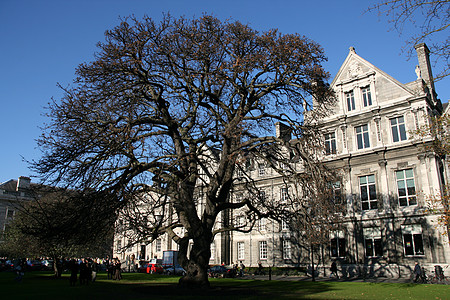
x: 387, y: 175
x: 12, y: 194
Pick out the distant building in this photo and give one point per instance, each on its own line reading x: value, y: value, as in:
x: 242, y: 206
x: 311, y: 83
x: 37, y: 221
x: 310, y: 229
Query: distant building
x: 387, y: 177
x: 12, y: 194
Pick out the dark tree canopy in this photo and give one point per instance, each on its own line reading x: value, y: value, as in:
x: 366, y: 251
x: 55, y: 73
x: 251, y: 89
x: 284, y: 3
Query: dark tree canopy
x: 166, y: 108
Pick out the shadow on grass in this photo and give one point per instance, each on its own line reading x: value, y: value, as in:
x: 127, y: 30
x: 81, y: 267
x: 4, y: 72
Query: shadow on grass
x: 37, y: 285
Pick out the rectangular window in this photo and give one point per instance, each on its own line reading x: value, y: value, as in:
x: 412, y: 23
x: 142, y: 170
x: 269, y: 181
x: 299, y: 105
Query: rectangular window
x: 362, y: 136
x: 118, y: 245
x: 372, y: 242
x: 10, y: 213
x: 330, y: 143
x: 261, y: 169
x: 284, y: 225
x: 406, y: 187
x: 373, y: 247
x: 262, y: 196
x: 398, y: 129
x: 350, y: 100
x: 367, y: 98
x: 262, y: 224
x: 368, y: 192
x: 412, y: 240
x: 337, y: 247
x: 158, y: 245
x: 263, y: 250
x: 284, y: 194
x: 241, y: 250
x: 336, y: 192
x: 286, y: 249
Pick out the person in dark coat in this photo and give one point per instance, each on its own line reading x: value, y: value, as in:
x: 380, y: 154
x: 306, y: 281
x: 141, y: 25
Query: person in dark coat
x: 73, y: 267
x: 417, y: 272
x: 117, y: 269
x: 333, y: 269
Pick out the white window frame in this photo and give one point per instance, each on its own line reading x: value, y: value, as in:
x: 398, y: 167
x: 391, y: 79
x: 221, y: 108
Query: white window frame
x: 350, y: 100
x: 241, y: 250
x: 158, y: 245
x: 262, y: 223
x: 286, y: 244
x: 367, y: 96
x: 362, y: 136
x: 398, y: 129
x: 406, y: 182
x: 261, y: 170
x: 284, y: 225
x: 330, y: 143
x: 284, y: 194
x: 366, y: 182
x: 263, y: 250
x: 415, y: 232
x: 373, y: 235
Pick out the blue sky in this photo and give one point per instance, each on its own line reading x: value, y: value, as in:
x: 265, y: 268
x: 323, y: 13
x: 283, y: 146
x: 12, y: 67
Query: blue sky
x: 42, y: 42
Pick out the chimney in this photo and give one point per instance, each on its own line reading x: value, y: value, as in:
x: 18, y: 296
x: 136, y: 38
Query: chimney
x: 23, y: 183
x: 423, y: 55
x: 282, y: 131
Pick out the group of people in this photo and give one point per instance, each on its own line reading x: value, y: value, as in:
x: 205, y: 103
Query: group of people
x: 88, y: 269
x: 113, y: 268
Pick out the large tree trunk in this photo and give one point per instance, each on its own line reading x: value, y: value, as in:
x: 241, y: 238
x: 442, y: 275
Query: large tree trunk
x: 196, y: 265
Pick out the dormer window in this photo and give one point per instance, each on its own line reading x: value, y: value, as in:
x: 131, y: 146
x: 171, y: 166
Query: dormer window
x: 261, y: 170
x: 367, y: 98
x: 350, y: 100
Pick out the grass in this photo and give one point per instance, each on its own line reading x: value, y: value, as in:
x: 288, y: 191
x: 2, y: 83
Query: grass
x: 41, y: 285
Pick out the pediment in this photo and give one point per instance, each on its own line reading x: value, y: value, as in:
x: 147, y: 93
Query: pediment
x: 355, y: 70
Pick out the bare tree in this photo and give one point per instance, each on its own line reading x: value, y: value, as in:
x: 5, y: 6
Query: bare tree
x: 167, y: 109
x: 436, y: 139
x: 430, y: 19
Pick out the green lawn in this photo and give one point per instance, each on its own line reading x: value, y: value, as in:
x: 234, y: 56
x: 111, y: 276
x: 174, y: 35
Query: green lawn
x: 40, y: 285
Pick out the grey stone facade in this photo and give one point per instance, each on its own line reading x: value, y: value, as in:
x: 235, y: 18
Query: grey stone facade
x: 387, y: 176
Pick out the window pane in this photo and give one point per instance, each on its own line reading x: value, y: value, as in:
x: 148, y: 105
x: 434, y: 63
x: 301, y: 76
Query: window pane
x: 366, y: 140
x: 333, y: 248
x: 365, y: 205
x: 409, y: 173
x: 341, y: 247
x: 399, y: 174
x: 418, y: 244
x: 377, y: 247
x: 402, y: 132
x: 395, y: 134
x: 401, y: 188
x: 372, y: 192
x: 371, y: 178
x: 363, y: 179
x: 369, y: 247
x: 407, y: 239
x: 412, y: 200
x: 364, y: 195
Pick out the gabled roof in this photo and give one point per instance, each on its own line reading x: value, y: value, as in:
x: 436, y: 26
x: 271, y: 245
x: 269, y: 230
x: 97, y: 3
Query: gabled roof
x: 355, y: 66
